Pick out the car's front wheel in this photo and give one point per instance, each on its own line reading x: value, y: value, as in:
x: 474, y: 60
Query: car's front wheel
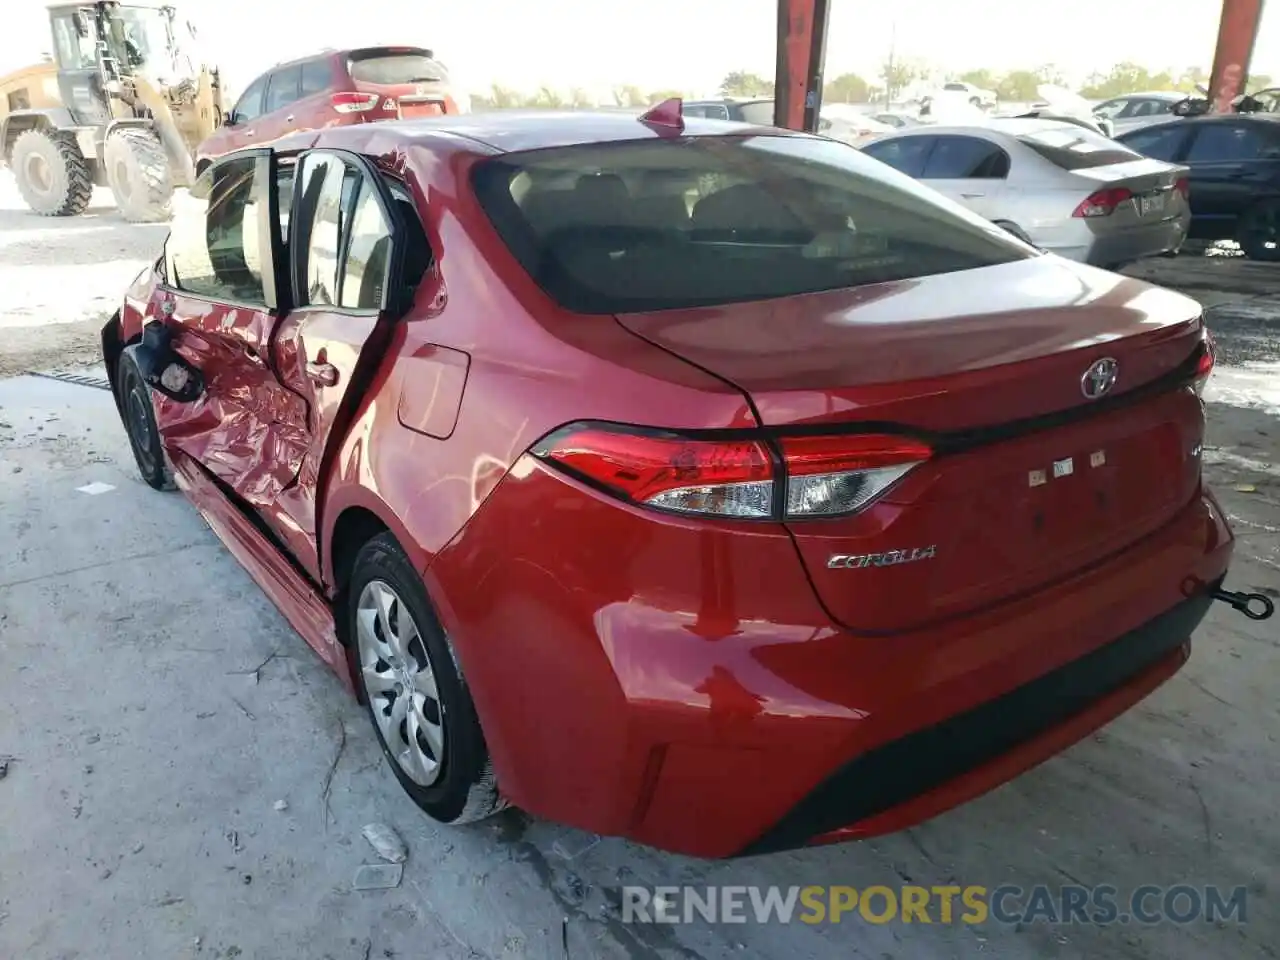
x: 422, y: 713
x: 138, y: 414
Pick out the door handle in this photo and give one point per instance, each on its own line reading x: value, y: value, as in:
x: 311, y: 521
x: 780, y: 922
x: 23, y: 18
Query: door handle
x: 325, y: 374
x: 248, y: 133
x: 289, y: 119
x: 973, y: 196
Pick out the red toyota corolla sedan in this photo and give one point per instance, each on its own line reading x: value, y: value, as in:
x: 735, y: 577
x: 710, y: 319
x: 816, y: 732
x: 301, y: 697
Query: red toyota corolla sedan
x: 709, y: 485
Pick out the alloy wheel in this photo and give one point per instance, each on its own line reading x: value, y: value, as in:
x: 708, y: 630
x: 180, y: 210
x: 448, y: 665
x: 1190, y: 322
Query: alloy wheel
x: 400, y: 682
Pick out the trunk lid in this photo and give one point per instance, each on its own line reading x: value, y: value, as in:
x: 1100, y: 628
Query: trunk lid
x: 410, y: 81
x: 988, y: 364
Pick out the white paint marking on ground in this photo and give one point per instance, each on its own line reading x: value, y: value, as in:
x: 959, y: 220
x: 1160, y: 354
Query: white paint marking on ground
x: 95, y: 488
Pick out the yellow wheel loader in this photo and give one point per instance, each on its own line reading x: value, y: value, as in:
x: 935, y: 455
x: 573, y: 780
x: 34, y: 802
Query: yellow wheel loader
x: 124, y: 104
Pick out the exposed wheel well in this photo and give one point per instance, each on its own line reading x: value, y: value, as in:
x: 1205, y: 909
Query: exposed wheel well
x: 356, y: 526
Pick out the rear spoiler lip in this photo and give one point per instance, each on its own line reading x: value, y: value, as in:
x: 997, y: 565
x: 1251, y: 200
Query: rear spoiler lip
x: 367, y: 53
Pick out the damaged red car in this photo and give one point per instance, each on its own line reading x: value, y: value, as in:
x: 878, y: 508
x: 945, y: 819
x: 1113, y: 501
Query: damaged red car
x: 708, y: 485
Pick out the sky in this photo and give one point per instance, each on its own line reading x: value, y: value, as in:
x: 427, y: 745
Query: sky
x: 689, y: 44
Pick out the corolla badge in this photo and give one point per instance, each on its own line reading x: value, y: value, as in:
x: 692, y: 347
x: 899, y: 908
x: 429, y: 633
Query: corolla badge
x: 890, y: 558
x: 1099, y: 378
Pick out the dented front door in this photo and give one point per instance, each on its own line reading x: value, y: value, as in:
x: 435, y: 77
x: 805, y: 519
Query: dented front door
x: 219, y: 301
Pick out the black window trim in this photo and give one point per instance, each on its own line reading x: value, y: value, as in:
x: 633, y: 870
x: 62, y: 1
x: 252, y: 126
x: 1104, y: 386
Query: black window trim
x: 266, y: 197
x: 395, y: 302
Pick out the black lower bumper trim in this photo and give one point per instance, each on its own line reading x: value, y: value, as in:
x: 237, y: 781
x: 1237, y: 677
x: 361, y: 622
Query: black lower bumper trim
x: 898, y: 771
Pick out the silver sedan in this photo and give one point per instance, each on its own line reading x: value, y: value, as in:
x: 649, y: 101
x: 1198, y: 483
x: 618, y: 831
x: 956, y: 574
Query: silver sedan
x: 1058, y: 186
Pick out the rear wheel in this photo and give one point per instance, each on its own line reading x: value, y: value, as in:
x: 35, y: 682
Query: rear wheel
x: 1259, y: 232
x: 405, y: 668
x: 138, y: 173
x: 139, y: 418
x: 52, y: 174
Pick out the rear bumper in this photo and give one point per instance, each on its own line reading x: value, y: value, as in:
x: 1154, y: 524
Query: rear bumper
x: 651, y: 679
x: 938, y: 767
x: 1113, y: 247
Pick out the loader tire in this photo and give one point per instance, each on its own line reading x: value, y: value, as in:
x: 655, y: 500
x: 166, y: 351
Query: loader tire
x: 52, y: 174
x: 139, y: 175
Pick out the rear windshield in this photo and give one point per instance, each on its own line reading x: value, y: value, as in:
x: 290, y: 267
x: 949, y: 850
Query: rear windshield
x: 671, y: 223
x: 1075, y: 148
x: 386, y: 67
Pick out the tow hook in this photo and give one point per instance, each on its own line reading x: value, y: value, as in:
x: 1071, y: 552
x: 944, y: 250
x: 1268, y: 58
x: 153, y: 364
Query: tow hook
x: 1246, y: 603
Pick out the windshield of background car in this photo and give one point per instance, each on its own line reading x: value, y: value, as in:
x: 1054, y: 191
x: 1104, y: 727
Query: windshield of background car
x: 388, y: 68
x: 673, y: 223
x: 1075, y: 148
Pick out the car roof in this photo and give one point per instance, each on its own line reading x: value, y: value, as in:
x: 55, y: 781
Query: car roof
x: 993, y: 127
x: 1203, y: 118
x: 1153, y: 95
x: 511, y: 131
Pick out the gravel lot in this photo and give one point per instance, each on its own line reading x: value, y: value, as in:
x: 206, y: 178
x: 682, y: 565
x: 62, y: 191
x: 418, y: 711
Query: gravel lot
x: 188, y: 781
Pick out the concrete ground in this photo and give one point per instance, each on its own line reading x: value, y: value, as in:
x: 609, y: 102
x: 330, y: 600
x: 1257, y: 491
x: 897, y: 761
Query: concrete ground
x: 188, y: 781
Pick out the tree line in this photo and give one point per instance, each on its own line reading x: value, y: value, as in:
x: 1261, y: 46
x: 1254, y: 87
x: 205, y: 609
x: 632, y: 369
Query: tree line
x: 894, y: 77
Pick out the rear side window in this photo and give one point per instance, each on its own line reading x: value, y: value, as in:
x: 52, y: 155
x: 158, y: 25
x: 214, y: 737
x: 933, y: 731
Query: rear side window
x: 317, y: 76
x: 905, y: 154
x: 667, y: 224
x: 966, y: 158
x: 213, y: 248
x: 1218, y: 142
x: 284, y: 88
x: 1159, y: 143
x: 346, y: 247
x: 1075, y: 148
x: 391, y: 67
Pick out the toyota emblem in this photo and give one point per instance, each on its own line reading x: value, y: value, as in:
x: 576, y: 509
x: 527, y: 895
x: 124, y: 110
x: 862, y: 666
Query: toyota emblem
x: 1099, y: 378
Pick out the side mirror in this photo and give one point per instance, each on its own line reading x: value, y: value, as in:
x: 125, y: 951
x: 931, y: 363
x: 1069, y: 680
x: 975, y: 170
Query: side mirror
x: 231, y: 120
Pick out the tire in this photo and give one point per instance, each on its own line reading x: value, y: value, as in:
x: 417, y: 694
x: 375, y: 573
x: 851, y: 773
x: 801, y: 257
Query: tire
x: 52, y: 174
x: 139, y: 175
x: 975, y: 102
x: 1259, y: 227
x: 139, y: 417
x: 461, y: 788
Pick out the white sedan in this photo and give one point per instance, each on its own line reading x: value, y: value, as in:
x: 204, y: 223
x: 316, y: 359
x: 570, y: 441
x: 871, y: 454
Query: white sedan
x: 1055, y: 185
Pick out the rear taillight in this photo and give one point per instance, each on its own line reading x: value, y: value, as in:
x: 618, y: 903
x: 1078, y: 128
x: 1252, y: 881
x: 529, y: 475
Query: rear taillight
x: 354, y: 102
x: 1183, y: 186
x: 1204, y: 364
x: 749, y: 478
x: 1103, y: 203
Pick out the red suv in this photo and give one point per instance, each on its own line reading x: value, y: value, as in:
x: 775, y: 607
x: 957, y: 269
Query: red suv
x: 334, y: 89
x: 706, y: 484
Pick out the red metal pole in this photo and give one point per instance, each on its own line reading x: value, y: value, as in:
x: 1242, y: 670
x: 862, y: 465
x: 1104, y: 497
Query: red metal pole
x: 1237, y: 32
x: 802, y: 48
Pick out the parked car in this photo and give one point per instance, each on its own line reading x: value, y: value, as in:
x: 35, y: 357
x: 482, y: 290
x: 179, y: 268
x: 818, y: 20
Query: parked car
x: 1065, y: 106
x: 758, y: 110
x: 1060, y: 187
x: 1133, y: 111
x: 727, y: 491
x: 333, y: 89
x: 893, y: 119
x: 977, y: 96
x: 841, y: 121
x: 1234, y: 167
